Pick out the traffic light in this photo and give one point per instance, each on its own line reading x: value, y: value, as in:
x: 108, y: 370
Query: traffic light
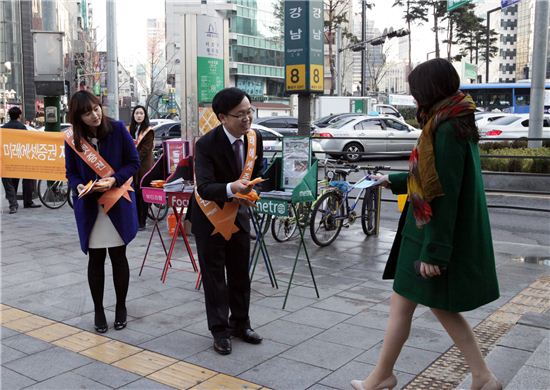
x: 398, y: 33
x: 358, y: 46
x: 378, y: 41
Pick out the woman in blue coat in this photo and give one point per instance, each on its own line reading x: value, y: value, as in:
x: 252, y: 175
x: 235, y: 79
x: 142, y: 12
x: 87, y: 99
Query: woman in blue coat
x: 99, y: 231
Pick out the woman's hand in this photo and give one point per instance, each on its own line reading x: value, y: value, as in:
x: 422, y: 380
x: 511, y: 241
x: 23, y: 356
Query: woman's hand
x: 80, y: 188
x: 383, y: 179
x: 104, y: 184
x: 429, y: 270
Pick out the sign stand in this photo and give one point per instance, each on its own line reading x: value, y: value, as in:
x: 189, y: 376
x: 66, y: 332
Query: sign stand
x: 258, y: 222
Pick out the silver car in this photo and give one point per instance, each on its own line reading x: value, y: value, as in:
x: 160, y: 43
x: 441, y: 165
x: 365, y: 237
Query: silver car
x: 385, y: 135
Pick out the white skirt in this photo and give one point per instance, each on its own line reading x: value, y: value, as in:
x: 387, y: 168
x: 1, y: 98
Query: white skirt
x: 104, y: 233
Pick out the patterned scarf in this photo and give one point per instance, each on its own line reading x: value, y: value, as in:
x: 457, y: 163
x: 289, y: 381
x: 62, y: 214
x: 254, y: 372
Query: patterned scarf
x: 423, y: 183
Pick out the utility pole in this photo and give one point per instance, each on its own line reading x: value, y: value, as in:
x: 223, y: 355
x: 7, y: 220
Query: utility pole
x: 363, y: 39
x: 112, y: 61
x: 540, y: 43
x: 339, y: 79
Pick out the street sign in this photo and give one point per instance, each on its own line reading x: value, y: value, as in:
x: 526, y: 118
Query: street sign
x: 470, y: 71
x: 507, y: 3
x: 210, y: 66
x: 304, y: 46
x: 454, y: 4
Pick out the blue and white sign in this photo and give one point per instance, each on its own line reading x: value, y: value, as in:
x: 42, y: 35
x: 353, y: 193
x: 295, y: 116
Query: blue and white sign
x: 507, y: 3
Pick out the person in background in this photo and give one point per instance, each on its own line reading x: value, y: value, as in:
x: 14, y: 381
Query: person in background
x: 101, y: 230
x: 445, y: 258
x: 11, y: 184
x: 220, y: 157
x: 144, y: 138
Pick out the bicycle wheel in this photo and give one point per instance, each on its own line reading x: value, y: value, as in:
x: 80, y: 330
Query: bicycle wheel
x: 154, y: 209
x: 52, y: 194
x: 369, y: 211
x: 283, y: 228
x: 69, y: 197
x: 327, y: 218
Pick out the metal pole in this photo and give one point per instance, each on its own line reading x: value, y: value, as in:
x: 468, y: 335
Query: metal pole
x: 363, y: 39
x: 304, y: 114
x: 339, y: 79
x: 488, y: 43
x: 540, y: 43
x: 112, y: 61
x: 4, y: 100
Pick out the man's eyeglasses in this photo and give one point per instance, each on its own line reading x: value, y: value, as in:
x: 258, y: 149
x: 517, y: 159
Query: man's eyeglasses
x: 244, y: 115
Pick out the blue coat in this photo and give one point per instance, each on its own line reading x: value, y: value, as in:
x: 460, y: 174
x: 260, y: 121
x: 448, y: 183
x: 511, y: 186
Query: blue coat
x: 118, y: 149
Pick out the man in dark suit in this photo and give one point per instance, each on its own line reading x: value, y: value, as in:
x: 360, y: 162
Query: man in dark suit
x: 11, y: 184
x: 218, y: 155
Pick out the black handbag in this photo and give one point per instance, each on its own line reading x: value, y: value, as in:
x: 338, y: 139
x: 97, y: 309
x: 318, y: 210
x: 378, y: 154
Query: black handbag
x: 391, y: 264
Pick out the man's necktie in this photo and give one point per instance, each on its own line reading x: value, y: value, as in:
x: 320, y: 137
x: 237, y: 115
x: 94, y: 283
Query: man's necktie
x: 237, y: 149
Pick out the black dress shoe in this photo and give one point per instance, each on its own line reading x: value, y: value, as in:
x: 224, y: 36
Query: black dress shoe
x: 13, y: 210
x: 32, y: 206
x: 222, y: 345
x: 120, y: 320
x: 247, y: 335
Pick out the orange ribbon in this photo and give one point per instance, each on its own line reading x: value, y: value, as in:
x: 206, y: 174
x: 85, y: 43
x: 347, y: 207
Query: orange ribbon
x: 223, y: 219
x: 102, y: 169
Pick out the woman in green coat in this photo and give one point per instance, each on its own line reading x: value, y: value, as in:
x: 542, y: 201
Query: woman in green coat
x: 445, y: 259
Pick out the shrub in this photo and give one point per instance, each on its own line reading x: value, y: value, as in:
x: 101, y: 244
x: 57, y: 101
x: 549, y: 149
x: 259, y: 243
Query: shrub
x: 526, y: 164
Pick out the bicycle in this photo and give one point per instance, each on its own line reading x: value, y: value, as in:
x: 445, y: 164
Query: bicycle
x: 54, y: 193
x: 332, y: 210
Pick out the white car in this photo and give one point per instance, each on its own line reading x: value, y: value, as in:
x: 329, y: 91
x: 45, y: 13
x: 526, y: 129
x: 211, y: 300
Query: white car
x: 63, y: 127
x: 512, y: 126
x: 157, y: 121
x: 485, y: 118
x: 386, y: 135
x: 273, y: 143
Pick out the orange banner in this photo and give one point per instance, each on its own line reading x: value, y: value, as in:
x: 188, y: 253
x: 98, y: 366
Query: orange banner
x: 28, y: 154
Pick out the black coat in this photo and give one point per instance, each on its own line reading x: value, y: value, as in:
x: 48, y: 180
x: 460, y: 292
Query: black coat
x: 215, y: 166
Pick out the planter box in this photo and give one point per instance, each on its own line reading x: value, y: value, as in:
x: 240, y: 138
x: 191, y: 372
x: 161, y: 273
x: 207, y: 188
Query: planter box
x: 502, y: 181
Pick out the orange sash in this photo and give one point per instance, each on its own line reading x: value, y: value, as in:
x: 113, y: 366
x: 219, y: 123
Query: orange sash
x: 102, y: 169
x: 223, y: 219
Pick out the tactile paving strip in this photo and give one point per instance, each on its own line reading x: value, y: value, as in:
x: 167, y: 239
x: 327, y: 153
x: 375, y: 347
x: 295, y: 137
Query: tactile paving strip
x: 450, y: 369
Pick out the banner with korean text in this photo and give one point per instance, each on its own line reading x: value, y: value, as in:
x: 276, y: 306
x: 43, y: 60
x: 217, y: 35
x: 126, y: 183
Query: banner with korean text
x: 32, y: 154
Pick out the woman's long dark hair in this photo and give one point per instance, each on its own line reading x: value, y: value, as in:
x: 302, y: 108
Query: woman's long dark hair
x: 81, y: 103
x: 435, y: 80
x: 134, y: 124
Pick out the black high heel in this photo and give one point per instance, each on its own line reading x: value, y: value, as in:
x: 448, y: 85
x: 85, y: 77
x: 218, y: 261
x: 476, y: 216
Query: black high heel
x: 100, y: 323
x: 120, y: 319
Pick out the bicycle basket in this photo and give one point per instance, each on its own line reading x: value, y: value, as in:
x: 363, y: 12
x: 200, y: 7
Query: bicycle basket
x: 341, y: 185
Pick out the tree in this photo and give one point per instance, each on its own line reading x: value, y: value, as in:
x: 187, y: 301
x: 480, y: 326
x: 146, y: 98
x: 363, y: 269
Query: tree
x: 439, y: 9
x: 377, y: 66
x: 414, y: 12
x: 336, y: 16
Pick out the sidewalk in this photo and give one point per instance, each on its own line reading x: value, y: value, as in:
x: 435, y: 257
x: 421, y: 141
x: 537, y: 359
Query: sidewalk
x: 314, y: 343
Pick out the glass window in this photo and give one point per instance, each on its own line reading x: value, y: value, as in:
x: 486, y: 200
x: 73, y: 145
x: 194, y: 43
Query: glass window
x: 395, y: 125
x: 506, y: 120
x: 175, y: 131
x: 525, y: 123
x: 275, y: 123
x: 369, y: 124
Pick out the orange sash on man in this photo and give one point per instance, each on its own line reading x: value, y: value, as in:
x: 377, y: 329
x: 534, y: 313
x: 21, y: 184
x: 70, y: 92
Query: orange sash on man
x: 102, y: 169
x: 223, y: 219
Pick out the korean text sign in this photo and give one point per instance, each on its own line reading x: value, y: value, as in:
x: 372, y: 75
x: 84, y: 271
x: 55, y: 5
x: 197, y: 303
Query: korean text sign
x: 32, y: 154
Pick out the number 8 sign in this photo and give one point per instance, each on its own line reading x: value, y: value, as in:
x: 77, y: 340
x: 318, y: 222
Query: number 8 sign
x: 295, y: 77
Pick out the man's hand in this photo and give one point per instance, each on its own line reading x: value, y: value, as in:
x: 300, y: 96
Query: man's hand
x: 241, y: 186
x: 104, y: 185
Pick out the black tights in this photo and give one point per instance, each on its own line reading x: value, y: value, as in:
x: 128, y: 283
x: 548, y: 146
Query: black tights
x: 96, y: 278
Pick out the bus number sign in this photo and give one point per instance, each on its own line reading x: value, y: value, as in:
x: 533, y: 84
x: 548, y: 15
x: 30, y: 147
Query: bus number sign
x: 295, y: 77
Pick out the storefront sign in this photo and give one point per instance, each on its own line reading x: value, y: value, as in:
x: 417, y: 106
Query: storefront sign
x: 32, y: 155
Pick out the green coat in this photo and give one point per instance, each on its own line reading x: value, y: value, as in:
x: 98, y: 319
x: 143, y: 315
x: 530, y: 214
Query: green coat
x: 458, y: 235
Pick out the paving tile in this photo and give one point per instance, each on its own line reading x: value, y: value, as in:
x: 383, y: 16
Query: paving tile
x: 156, y: 324
x: 81, y: 341
x: 530, y: 378
x: 256, y: 352
x: 106, y: 374
x: 231, y: 365
x: 322, y: 354
x: 352, y: 335
x: 12, y: 315
x: 13, y: 381
x: 48, y: 363
x: 131, y: 336
x: 287, y: 332
x: 9, y: 354
x: 411, y: 360
x: 541, y: 357
x: 316, y: 317
x: 178, y: 344
x: 145, y: 384
x: 523, y: 337
x: 292, y: 305
x: 111, y: 351
x: 343, y: 304
x: 280, y: 373
x: 144, y: 363
x: 430, y: 340
x: 182, y: 375
x: 69, y: 380
x: 225, y: 382
x: 26, y: 344
x: 5, y: 333
x: 53, y: 332
x: 370, y: 319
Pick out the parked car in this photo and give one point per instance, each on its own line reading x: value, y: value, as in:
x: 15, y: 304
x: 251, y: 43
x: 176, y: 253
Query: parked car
x: 286, y: 125
x: 273, y: 142
x: 484, y: 118
x: 387, y: 109
x: 164, y: 131
x: 332, y: 118
x: 512, y: 126
x: 63, y: 126
x: 159, y: 121
x: 383, y: 128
